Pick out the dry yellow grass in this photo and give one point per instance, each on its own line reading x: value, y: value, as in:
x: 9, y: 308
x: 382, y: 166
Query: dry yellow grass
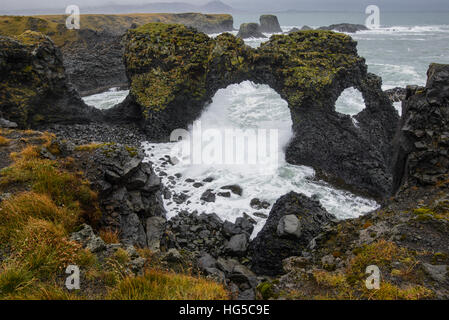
x: 4, y: 141
x: 161, y: 285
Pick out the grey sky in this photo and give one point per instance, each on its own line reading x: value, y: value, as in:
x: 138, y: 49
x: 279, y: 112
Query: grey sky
x: 261, y: 5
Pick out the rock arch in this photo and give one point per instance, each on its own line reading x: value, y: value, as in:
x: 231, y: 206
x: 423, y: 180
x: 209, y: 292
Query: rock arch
x: 174, y: 71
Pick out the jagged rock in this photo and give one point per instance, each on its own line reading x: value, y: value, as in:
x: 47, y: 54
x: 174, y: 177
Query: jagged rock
x: 250, y: 30
x: 208, y: 196
x: 155, y: 228
x: 129, y: 193
x: 258, y: 205
x: 88, y: 239
x: 269, y: 249
x: 235, y: 189
x: 306, y: 28
x: 34, y: 89
x: 396, y: 94
x: 246, y: 295
x: 422, y: 142
x: 345, y: 27
x: 269, y: 24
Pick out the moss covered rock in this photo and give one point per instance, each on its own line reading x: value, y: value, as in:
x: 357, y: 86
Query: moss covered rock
x: 33, y: 88
x: 174, y: 71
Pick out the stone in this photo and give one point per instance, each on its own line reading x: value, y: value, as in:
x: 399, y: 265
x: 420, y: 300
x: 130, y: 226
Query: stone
x: 237, y: 245
x: 155, y: 228
x: 235, y: 189
x: 268, y: 249
x: 88, y: 239
x: 250, y: 30
x: 247, y: 295
x: 208, y: 196
x: 439, y: 273
x: 289, y: 226
x: 269, y: 24
x: 206, y: 261
x: 224, y: 194
x: 7, y: 124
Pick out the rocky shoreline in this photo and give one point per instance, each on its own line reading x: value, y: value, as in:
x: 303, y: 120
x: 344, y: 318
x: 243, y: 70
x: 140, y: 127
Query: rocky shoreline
x: 302, y: 252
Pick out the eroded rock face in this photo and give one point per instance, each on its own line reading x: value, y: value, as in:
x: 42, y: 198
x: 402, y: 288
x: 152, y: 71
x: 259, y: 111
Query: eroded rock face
x: 423, y: 138
x: 174, y: 71
x: 250, y: 30
x: 269, y: 24
x: 129, y: 194
x: 293, y: 222
x: 33, y: 88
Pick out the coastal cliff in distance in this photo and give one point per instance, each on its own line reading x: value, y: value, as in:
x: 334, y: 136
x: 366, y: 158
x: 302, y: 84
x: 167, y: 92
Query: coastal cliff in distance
x: 96, y: 48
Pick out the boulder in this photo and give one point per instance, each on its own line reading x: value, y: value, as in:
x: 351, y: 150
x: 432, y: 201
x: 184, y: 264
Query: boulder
x: 88, y: 239
x: 235, y: 189
x: 237, y: 245
x: 155, y: 228
x: 269, y: 24
x: 208, y: 196
x: 250, y: 30
x: 293, y: 222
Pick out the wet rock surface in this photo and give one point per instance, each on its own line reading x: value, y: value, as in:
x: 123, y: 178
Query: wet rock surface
x: 250, y: 30
x: 292, y: 224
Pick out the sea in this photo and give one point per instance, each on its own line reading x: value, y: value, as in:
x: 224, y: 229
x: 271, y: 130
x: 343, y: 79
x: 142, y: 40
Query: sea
x: 399, y: 50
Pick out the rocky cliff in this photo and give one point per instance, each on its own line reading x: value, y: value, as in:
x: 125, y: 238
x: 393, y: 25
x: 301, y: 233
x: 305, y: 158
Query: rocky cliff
x: 174, y: 71
x: 93, y: 55
x: 34, y: 88
x: 423, y: 139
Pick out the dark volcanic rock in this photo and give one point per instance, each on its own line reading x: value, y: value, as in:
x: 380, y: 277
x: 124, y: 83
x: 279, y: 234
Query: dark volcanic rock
x: 170, y: 92
x: 269, y: 24
x: 250, y: 30
x: 208, y: 196
x: 279, y: 240
x: 396, y: 94
x: 345, y: 27
x: 235, y: 189
x: 34, y: 89
x: 423, y: 139
x: 129, y: 194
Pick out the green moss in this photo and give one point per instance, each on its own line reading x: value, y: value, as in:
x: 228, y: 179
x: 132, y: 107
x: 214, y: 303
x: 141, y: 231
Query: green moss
x: 266, y: 290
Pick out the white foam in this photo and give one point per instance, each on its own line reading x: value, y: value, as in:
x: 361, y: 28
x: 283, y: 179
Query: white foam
x: 247, y: 106
x: 106, y: 100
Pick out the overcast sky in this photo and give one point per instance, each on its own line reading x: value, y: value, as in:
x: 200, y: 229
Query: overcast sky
x: 261, y: 5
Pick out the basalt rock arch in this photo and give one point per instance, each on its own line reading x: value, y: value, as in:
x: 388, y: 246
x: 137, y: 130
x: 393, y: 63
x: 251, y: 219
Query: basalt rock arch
x: 174, y: 71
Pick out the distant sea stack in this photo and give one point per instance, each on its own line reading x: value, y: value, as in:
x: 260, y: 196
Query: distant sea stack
x: 250, y: 30
x: 269, y: 24
x: 345, y: 27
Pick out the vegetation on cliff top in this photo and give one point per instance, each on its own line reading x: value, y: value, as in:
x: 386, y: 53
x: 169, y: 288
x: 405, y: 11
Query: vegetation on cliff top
x: 167, y: 61
x: 54, y: 25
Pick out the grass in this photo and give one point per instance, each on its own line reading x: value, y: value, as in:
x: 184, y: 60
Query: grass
x: 4, y: 141
x: 50, y: 199
x: 161, y: 285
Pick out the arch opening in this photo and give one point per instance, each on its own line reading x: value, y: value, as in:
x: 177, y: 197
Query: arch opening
x: 351, y: 103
